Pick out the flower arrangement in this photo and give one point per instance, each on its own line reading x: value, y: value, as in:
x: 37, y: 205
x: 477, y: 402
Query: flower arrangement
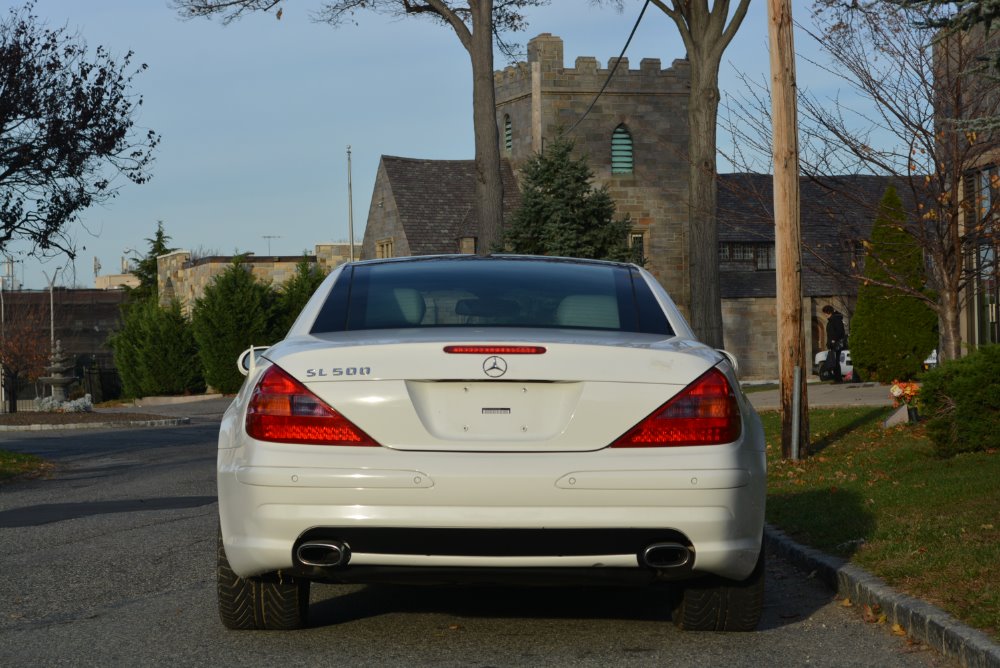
x: 904, y: 393
x: 50, y: 405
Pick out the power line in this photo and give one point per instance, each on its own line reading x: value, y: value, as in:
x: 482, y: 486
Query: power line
x: 612, y: 72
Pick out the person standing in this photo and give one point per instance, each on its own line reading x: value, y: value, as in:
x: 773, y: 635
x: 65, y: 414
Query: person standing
x: 836, y: 341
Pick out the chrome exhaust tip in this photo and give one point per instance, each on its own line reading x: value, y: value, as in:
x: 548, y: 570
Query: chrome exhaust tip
x: 666, y: 555
x: 323, y: 553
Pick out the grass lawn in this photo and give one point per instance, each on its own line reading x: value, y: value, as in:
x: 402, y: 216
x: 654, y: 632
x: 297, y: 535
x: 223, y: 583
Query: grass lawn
x: 929, y: 527
x: 13, y: 464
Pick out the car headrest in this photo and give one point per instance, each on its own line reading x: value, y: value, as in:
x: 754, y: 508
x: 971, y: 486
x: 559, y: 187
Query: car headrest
x: 598, y: 311
x: 400, y: 307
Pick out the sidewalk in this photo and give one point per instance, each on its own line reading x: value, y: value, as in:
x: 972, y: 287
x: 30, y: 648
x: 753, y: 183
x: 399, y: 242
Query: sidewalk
x: 829, y: 395
x: 146, y: 412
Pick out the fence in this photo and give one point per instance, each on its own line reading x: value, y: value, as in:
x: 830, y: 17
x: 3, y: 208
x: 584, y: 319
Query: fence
x: 101, y: 382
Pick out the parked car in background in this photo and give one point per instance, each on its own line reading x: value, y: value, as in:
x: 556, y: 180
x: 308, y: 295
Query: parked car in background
x: 493, y: 420
x: 846, y: 367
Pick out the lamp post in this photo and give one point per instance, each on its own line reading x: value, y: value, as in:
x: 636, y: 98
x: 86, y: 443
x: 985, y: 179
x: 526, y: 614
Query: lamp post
x: 350, y: 205
x: 52, y: 313
x: 3, y: 335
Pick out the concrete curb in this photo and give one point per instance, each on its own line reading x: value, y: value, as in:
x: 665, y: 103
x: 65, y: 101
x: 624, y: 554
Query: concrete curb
x: 96, y: 425
x: 173, y: 401
x: 923, y: 621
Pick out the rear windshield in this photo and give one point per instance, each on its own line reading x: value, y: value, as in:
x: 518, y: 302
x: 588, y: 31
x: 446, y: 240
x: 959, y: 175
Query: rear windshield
x: 469, y: 292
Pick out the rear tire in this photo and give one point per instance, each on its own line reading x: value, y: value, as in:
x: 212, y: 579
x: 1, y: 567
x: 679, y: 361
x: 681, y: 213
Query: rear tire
x: 270, y: 602
x: 719, y: 604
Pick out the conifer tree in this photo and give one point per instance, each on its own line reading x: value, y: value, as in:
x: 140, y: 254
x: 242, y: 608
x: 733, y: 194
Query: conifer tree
x: 155, y: 351
x: 170, y: 362
x: 145, y: 267
x: 562, y: 214
x: 891, y: 332
x: 234, y: 313
x: 294, y: 293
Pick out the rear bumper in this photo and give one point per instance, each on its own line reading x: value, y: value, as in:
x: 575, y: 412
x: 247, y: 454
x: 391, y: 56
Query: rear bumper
x: 710, y: 498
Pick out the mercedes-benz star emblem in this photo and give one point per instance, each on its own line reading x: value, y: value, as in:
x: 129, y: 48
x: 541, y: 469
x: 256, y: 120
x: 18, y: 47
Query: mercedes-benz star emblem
x: 494, y: 367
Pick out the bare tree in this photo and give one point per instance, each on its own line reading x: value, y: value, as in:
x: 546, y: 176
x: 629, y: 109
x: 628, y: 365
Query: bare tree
x: 706, y: 32
x: 475, y: 23
x: 66, y: 129
x: 907, y: 129
x: 23, y: 353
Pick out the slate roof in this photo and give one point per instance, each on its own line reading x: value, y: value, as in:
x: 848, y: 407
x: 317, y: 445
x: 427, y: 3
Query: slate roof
x: 836, y: 212
x: 435, y: 200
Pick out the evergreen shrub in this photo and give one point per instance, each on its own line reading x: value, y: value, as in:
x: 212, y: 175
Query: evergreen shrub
x: 961, y: 401
x: 236, y: 312
x: 293, y: 295
x: 561, y: 214
x: 892, y: 331
x: 155, y: 351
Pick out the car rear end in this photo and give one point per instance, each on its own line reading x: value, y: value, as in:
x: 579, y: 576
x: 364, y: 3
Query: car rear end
x: 600, y: 447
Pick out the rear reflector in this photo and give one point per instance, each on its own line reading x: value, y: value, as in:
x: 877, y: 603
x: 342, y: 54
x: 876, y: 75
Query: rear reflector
x: 282, y: 410
x: 495, y: 350
x: 704, y: 413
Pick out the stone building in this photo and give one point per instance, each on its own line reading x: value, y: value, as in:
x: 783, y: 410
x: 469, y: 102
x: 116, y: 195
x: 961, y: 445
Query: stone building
x: 836, y: 214
x: 634, y: 138
x: 178, y: 276
x: 426, y: 207
x: 980, y: 318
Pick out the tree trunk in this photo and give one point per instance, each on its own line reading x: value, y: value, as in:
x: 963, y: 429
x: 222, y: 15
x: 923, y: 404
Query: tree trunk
x: 949, y: 326
x: 489, y: 184
x: 703, y: 246
x: 10, y: 380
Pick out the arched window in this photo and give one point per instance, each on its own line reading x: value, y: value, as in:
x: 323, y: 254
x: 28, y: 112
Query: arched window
x: 621, y: 151
x: 508, y: 134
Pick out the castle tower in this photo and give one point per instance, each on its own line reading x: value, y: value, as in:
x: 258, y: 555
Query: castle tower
x: 635, y: 139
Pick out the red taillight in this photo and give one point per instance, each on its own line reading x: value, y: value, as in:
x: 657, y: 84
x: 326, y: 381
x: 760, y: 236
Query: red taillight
x: 495, y: 350
x: 705, y: 413
x: 284, y: 411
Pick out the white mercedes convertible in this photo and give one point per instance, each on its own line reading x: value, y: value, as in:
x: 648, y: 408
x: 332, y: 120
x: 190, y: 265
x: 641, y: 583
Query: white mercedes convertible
x: 491, y: 420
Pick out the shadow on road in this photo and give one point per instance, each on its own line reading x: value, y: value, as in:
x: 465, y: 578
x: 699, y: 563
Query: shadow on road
x: 786, y: 601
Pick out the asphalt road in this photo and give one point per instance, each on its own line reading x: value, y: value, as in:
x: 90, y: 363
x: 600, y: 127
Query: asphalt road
x: 110, y: 561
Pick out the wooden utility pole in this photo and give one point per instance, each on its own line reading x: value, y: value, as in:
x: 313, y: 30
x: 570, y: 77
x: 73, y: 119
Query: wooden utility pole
x: 787, y: 232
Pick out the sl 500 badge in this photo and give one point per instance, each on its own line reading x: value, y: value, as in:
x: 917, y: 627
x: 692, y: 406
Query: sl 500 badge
x: 339, y: 371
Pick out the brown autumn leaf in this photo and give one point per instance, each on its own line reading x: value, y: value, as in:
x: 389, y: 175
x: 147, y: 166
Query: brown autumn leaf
x: 846, y: 603
x: 870, y: 614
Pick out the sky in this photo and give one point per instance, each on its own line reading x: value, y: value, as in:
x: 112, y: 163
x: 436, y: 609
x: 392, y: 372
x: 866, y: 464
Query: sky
x: 256, y: 116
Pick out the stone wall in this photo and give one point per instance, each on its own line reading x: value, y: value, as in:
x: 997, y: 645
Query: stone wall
x: 751, y: 332
x: 180, y: 277
x: 383, y: 220
x: 83, y: 319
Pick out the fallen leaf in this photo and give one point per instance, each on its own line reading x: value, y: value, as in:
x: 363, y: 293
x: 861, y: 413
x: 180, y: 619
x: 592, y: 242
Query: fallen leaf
x: 846, y: 603
x: 898, y: 630
x: 870, y: 614
x: 454, y: 627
